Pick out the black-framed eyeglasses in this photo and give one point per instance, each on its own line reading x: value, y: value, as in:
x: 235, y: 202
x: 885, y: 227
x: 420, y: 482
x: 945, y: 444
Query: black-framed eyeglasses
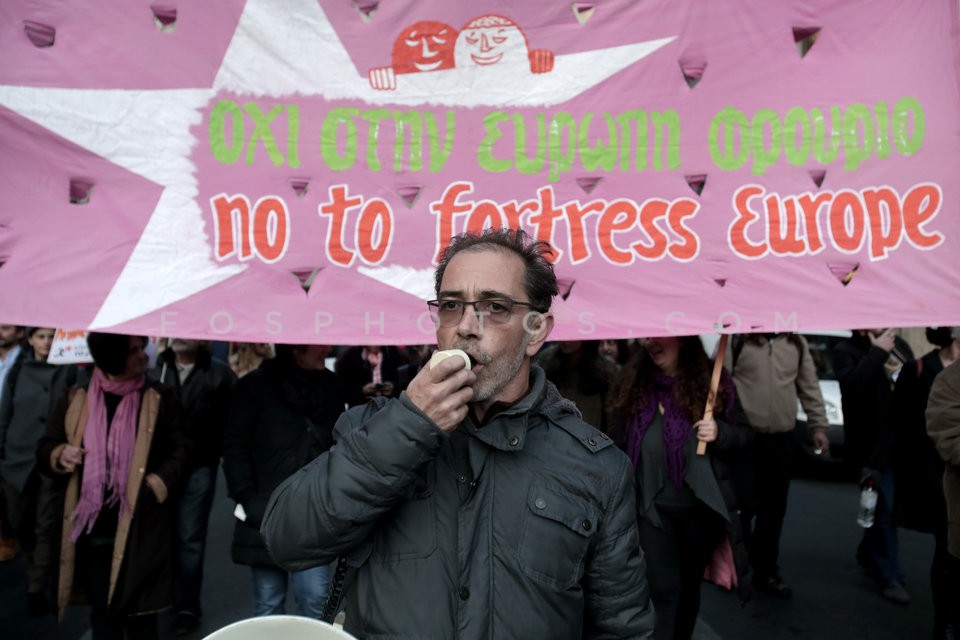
x: 494, y: 310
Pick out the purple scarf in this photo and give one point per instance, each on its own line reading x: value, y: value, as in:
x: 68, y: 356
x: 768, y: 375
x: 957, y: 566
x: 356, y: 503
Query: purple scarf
x: 677, y: 425
x: 107, y: 457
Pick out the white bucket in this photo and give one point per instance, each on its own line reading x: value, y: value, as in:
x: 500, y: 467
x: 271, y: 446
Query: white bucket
x: 277, y: 627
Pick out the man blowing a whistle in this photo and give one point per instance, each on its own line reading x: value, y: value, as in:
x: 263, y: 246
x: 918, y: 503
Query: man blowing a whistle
x: 477, y: 504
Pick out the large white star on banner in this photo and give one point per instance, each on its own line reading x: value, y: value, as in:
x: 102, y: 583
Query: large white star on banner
x: 273, y: 52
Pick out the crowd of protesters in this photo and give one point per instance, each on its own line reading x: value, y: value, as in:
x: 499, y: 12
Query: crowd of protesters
x: 109, y: 470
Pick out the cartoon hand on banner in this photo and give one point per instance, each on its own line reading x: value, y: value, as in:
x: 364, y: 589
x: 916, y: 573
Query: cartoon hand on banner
x: 383, y: 79
x: 541, y: 61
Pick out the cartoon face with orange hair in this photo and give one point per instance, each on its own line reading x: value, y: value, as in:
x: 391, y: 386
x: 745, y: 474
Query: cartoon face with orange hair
x: 492, y: 39
x: 424, y: 46
x: 430, y: 45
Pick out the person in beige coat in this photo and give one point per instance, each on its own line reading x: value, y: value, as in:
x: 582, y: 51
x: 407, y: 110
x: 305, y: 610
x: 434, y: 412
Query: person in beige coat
x: 943, y: 426
x: 773, y: 371
x: 118, y: 448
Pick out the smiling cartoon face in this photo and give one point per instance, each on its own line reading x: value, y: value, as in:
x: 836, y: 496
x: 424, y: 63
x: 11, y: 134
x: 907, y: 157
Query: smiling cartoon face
x: 424, y: 46
x: 490, y: 40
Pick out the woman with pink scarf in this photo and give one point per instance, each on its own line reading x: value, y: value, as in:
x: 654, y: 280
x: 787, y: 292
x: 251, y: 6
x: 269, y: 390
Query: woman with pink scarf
x: 118, y: 445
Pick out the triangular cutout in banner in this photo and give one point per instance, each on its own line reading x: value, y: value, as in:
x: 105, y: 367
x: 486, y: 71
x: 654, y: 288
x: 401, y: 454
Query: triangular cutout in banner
x: 583, y: 11
x: 409, y: 194
x: 300, y: 186
x: 366, y: 8
x: 40, y: 35
x: 805, y: 37
x: 164, y: 16
x: 692, y: 69
x: 589, y: 183
x: 697, y: 182
x: 844, y: 271
x: 306, y: 276
x: 818, y: 175
x: 80, y: 189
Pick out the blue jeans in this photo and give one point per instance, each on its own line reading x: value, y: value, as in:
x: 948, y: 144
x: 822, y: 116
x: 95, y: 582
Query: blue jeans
x: 879, y: 551
x: 309, y: 589
x: 193, y: 515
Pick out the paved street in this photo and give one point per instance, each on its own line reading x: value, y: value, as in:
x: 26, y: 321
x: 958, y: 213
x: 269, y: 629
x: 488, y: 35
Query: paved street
x: 832, y: 599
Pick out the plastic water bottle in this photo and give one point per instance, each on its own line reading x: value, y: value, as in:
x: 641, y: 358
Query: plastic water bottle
x: 868, y: 506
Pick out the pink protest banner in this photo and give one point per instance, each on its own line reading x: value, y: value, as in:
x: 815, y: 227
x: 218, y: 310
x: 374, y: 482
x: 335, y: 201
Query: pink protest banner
x: 290, y: 173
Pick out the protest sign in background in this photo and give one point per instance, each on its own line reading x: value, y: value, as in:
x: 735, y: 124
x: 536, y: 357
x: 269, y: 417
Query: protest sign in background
x: 69, y: 347
x: 290, y: 171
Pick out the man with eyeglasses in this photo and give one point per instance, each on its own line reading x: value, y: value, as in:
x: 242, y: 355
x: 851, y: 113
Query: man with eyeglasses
x: 477, y: 504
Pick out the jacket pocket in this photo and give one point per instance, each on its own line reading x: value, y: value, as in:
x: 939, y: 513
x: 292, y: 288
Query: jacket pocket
x: 409, y: 531
x: 557, y: 529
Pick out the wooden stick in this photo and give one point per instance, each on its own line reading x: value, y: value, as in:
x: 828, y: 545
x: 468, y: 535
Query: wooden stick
x: 714, y: 385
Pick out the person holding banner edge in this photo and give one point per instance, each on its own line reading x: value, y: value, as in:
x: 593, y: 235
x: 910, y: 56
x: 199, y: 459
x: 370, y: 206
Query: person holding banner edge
x: 477, y: 504
x: 687, y: 505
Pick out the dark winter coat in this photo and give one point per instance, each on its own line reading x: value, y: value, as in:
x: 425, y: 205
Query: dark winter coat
x: 32, y: 391
x: 141, y: 577
x: 712, y: 478
x: 521, y: 528
x: 354, y: 372
x: 868, y: 403
x: 943, y: 426
x: 919, y: 503
x: 585, y: 384
x: 281, y: 418
x: 206, y: 398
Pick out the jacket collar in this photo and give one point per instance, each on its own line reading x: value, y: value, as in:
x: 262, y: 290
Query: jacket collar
x: 204, y: 358
x: 507, y: 430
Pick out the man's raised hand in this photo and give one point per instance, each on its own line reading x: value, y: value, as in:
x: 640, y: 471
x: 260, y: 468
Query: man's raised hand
x: 442, y: 393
